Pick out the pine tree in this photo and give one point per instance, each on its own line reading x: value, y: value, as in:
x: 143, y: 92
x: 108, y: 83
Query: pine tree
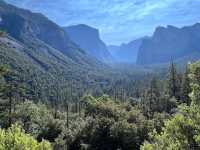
x: 10, y: 91
x: 186, y: 88
x: 195, y: 80
x: 173, y: 82
x: 150, y: 100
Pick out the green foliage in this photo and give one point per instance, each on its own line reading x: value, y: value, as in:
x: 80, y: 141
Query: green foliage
x: 182, y: 131
x: 153, y: 100
x: 70, y: 136
x: 195, y: 77
x: 122, y: 119
x: 3, y: 70
x: 158, y: 120
x: 105, y: 108
x: 33, y: 116
x: 108, y: 125
x: 15, y: 138
x: 37, y: 120
x: 42, y: 89
x: 10, y: 92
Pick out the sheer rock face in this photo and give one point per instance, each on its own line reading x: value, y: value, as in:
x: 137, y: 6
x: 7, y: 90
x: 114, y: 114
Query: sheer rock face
x: 88, y: 38
x: 170, y: 43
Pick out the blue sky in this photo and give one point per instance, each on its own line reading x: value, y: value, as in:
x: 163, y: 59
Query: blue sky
x: 118, y: 20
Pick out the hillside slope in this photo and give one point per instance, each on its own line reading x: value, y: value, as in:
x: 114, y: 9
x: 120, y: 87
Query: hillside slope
x: 24, y: 25
x: 40, y: 51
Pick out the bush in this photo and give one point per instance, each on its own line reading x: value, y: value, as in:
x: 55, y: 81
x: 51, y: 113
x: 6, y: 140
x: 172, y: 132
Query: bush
x: 107, y: 125
x: 33, y: 117
x: 181, y: 132
x: 15, y: 138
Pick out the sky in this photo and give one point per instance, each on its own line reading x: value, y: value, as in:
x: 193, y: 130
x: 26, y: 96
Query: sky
x: 119, y: 21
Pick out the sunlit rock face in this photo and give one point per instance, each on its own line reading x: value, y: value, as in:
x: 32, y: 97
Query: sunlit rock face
x: 88, y: 39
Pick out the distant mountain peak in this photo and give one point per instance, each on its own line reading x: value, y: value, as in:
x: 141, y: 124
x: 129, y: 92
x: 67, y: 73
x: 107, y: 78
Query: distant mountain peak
x: 172, y: 28
x: 83, y: 26
x: 88, y: 38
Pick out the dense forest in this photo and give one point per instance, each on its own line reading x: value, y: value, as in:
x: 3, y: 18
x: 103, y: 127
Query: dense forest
x: 161, y: 114
x: 62, y: 87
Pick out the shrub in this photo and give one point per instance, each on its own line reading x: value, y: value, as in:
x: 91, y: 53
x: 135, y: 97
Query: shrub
x: 15, y: 138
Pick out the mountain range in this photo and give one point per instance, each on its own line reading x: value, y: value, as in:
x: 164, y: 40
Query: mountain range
x: 80, y: 46
x: 170, y: 43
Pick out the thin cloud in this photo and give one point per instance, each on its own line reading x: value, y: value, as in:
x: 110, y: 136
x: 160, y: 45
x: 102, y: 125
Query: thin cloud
x: 118, y: 20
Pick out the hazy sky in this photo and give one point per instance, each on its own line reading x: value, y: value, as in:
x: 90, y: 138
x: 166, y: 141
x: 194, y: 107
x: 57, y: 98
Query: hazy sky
x: 118, y: 20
